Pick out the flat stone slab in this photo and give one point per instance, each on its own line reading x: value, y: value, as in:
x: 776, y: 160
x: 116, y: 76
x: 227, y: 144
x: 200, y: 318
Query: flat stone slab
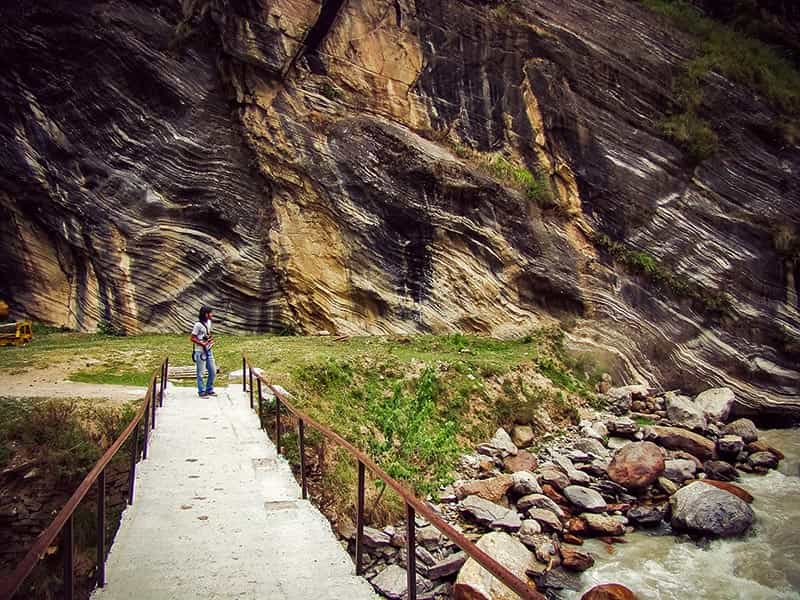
x: 217, y: 514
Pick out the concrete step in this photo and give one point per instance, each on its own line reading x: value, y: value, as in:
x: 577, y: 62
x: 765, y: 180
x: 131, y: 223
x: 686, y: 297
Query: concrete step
x: 218, y: 514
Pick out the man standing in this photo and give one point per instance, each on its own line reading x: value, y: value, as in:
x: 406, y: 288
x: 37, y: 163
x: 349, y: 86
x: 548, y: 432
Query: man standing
x: 202, y: 354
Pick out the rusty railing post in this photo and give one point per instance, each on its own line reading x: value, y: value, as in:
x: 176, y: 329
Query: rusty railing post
x: 251, y: 387
x: 146, y: 429
x: 302, y: 443
x: 244, y: 374
x: 260, y: 402
x: 164, y: 378
x: 101, y: 529
x: 360, y: 521
x: 154, y: 403
x: 278, y: 424
x: 411, y: 559
x: 68, y: 540
x: 134, y: 456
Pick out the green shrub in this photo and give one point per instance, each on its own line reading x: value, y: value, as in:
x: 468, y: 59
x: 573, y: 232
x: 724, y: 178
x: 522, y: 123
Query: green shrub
x: 648, y: 266
x: 67, y: 436
x: 330, y: 92
x: 691, y: 133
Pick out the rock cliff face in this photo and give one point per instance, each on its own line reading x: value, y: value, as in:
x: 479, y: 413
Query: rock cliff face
x: 311, y: 166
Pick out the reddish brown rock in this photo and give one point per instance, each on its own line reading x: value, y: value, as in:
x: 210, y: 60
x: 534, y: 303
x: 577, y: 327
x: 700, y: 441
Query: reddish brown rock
x: 636, y: 465
x: 554, y: 495
x: 570, y: 538
x: 729, y: 487
x: 609, y: 591
x: 575, y: 560
x: 523, y: 461
x: 493, y: 489
x: 577, y: 525
x: 676, y: 438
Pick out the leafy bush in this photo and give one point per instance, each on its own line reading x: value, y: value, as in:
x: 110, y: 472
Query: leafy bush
x: 67, y: 436
x: 691, y: 133
x: 413, y: 443
x: 108, y: 328
x: 536, y: 187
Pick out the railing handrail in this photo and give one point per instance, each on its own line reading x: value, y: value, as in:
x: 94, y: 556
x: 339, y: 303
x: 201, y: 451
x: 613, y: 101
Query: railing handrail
x: 11, y: 584
x: 522, y: 589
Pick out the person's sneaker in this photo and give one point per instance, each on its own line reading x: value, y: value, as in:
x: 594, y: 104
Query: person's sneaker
x: 202, y: 394
x: 211, y: 393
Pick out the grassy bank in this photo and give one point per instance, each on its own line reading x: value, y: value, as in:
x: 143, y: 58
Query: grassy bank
x: 413, y: 403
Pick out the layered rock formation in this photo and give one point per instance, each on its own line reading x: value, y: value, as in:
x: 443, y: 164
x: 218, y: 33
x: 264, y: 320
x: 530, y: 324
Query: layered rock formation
x: 304, y: 166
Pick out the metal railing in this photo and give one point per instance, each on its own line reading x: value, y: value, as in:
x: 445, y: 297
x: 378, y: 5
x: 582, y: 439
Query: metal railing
x: 413, y: 504
x: 63, y: 522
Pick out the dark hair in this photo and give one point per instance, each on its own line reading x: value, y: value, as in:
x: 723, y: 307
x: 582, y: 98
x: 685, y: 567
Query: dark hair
x: 203, y: 316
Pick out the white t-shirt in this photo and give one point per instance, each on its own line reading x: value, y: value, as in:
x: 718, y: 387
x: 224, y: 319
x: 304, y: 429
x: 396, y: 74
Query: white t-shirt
x: 201, y: 331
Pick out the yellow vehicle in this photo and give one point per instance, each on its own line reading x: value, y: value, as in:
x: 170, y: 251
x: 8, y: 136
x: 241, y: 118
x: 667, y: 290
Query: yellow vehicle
x: 16, y: 334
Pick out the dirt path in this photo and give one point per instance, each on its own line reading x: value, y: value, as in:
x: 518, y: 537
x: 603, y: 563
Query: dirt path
x: 50, y: 382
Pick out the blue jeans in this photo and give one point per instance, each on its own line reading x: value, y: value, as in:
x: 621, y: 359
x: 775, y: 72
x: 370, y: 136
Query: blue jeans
x: 205, y: 359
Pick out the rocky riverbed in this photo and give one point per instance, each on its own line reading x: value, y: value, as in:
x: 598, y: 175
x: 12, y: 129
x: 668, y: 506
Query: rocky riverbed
x: 651, y: 502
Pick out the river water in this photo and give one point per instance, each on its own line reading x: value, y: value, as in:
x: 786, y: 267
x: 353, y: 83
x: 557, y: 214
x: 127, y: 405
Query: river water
x: 765, y: 564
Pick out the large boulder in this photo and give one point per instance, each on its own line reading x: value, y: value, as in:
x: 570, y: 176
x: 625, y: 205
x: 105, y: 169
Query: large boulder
x: 621, y: 397
x: 522, y: 436
x: 683, y: 412
x: 585, y: 499
x: 730, y: 445
x: 528, y: 532
x: 733, y: 489
x: 525, y: 483
x: 575, y: 560
x: 622, y: 426
x: 720, y: 470
x: 447, y: 566
x: 609, y: 591
x: 636, y: 465
x: 493, y: 489
x: 744, y: 428
x: 392, y: 582
x: 591, y: 446
x: 476, y: 583
x: 603, y: 524
x: 539, y: 501
x: 523, y: 461
x: 704, y: 508
x: 676, y: 438
x: 716, y: 403
x: 482, y: 511
x: 762, y: 460
x: 679, y: 469
x: 553, y: 476
x: 647, y: 515
x: 546, y: 518
x: 499, y: 446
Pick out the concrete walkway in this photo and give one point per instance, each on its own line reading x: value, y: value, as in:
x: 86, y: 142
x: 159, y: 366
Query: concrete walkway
x: 217, y: 514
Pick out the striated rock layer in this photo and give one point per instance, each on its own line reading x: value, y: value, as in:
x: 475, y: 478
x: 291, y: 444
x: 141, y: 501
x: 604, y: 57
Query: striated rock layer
x: 303, y: 166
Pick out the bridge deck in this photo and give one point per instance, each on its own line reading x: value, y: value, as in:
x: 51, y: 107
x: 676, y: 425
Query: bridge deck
x: 217, y: 514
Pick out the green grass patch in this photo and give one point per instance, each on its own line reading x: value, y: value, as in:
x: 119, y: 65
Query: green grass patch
x: 535, y: 185
x: 642, y: 263
x: 643, y: 421
x: 411, y: 402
